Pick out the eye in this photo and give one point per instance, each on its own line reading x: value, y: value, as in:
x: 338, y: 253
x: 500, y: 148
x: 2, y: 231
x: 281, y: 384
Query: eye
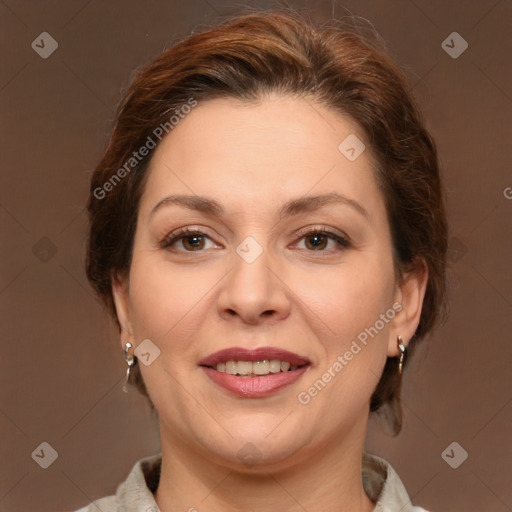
x: 318, y: 239
x: 190, y: 239
x: 315, y: 239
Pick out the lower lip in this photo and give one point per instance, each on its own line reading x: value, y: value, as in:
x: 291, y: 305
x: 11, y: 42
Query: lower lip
x: 254, y: 387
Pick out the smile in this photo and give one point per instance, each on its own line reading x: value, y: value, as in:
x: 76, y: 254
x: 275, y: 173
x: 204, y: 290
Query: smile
x: 254, y: 373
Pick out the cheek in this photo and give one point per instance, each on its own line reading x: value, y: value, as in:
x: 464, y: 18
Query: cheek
x: 167, y: 306
x: 344, y: 307
x: 163, y: 297
x: 344, y: 311
x: 347, y: 299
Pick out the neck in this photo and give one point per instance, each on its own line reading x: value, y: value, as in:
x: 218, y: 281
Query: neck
x: 328, y: 478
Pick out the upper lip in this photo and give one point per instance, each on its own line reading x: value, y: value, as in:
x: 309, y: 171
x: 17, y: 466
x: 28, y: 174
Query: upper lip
x: 253, y: 355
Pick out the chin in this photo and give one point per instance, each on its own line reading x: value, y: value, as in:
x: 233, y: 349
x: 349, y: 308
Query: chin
x: 259, y: 448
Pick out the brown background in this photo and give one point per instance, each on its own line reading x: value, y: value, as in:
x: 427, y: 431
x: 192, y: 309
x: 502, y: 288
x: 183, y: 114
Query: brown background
x: 62, y: 370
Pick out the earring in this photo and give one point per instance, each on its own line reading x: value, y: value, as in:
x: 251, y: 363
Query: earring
x: 130, y: 360
x: 401, y: 348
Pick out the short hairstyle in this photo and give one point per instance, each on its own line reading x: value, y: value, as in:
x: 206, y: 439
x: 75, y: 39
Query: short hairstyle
x: 342, y: 65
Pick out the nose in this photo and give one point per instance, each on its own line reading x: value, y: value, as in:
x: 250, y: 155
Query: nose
x: 253, y: 292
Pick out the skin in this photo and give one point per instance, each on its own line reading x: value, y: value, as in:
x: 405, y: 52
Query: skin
x: 191, y: 303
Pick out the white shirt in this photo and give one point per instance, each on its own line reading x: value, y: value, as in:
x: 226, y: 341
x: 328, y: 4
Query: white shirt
x: 135, y: 494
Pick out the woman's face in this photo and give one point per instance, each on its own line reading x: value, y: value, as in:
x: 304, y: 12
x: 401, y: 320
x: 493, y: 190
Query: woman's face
x: 263, y: 265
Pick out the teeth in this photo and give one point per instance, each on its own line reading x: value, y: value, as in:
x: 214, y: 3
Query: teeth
x: 260, y: 367
x: 274, y: 366
x: 246, y: 368
x: 243, y: 367
x: 231, y: 367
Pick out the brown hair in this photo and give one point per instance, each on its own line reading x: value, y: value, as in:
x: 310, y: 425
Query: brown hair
x: 340, y: 65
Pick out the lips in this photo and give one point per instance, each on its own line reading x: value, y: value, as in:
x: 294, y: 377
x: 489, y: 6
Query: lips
x: 252, y: 386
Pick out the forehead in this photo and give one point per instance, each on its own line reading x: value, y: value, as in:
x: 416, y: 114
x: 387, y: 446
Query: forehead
x: 252, y: 153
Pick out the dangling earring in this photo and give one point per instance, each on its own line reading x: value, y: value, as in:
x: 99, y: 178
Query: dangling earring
x: 401, y: 348
x: 130, y: 360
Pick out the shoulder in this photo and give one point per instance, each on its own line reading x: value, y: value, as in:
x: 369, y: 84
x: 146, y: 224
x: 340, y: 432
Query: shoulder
x: 383, y: 485
x: 107, y: 504
x: 136, y: 492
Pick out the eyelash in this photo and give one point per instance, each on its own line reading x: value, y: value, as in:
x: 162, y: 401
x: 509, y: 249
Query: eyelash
x: 342, y: 240
x: 182, y: 233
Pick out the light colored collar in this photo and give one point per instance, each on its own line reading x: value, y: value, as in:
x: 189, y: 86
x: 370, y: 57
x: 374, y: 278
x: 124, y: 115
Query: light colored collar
x: 383, y: 485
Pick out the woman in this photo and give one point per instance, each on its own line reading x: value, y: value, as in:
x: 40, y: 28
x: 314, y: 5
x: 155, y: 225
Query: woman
x: 267, y: 229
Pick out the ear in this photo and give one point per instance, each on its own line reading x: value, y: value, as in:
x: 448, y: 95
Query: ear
x: 409, y: 294
x: 120, y: 292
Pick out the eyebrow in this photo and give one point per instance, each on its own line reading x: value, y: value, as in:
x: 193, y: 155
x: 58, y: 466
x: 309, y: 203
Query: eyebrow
x: 292, y: 207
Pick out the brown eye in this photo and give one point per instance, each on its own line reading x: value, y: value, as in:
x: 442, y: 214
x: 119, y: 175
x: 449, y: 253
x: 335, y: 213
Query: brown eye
x: 193, y: 242
x: 320, y: 240
x: 316, y: 241
x: 187, y: 240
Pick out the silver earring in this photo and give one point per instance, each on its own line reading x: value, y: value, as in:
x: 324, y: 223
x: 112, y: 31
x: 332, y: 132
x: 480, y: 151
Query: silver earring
x: 401, y: 348
x: 130, y: 360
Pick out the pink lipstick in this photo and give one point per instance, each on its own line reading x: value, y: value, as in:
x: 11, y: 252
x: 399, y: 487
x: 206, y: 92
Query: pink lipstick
x: 254, y: 373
